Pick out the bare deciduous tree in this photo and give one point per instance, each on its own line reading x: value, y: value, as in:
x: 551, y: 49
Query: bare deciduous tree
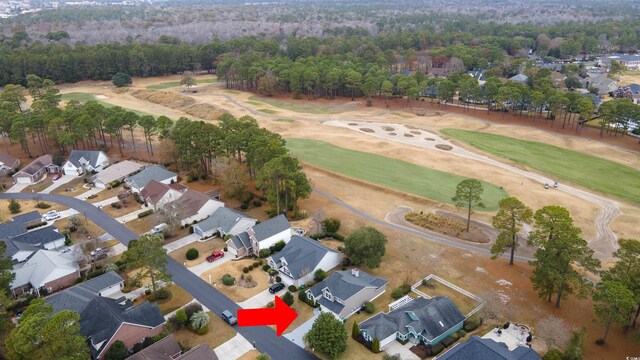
x: 317, y: 218
x: 171, y: 214
x: 553, y: 331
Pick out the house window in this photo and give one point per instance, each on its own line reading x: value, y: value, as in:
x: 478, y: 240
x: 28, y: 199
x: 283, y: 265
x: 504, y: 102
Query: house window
x: 327, y: 294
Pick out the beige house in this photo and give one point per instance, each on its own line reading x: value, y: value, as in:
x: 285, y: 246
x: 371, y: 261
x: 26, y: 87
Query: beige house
x: 36, y: 170
x: 116, y: 172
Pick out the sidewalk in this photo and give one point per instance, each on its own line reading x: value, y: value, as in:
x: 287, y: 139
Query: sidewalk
x: 234, y: 348
x: 56, y: 184
x: 130, y: 216
x: 88, y: 193
x: 175, y: 245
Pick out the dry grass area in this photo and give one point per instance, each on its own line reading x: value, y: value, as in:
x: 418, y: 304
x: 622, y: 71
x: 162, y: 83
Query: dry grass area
x: 25, y: 207
x: 107, y: 194
x: 234, y: 268
x: 130, y: 206
x: 178, y: 299
x: 304, y: 311
x: 75, y: 184
x: 89, y: 230
x: 447, y: 226
x: 204, y: 249
x: 180, y: 102
x: 434, y: 288
x: 251, y: 355
x: 141, y: 226
x: 219, y: 332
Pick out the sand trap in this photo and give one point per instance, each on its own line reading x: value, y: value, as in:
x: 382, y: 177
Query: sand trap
x: 503, y: 282
x: 407, y: 135
x: 415, y: 132
x: 353, y: 124
x: 387, y: 128
x: 393, y: 134
x: 367, y: 130
x: 430, y: 139
x: 444, y: 147
x: 101, y: 97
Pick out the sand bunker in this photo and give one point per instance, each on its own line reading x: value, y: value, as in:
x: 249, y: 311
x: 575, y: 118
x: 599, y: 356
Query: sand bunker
x: 415, y: 132
x: 430, y: 139
x: 387, y: 128
x: 407, y: 135
x: 179, y: 102
x: 101, y: 97
x: 444, y: 147
x: 367, y: 130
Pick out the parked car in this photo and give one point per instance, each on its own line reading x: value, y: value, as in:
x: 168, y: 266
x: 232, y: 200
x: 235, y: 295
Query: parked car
x: 56, y: 176
x: 158, y: 229
x: 229, y: 318
x: 276, y: 287
x: 64, y: 250
x: 215, y: 256
x: 51, y: 215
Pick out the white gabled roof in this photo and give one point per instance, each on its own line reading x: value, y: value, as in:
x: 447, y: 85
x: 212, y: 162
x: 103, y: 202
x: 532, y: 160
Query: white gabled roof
x: 44, y: 266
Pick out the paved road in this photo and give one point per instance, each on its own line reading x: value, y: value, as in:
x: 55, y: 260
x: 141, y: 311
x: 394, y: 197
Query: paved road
x: 264, y: 337
x: 432, y: 237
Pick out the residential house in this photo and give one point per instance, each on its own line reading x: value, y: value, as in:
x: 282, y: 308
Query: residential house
x: 478, y: 348
x: 222, y: 222
x: 158, y: 173
x: 104, y: 320
x: 260, y: 236
x: 595, y: 99
x: 602, y: 83
x: 193, y: 206
x: 21, y: 243
x: 520, y: 78
x: 29, y: 219
x: 82, y: 161
x: 420, y: 320
x: 157, y: 194
x: 116, y: 172
x: 299, y: 260
x: 169, y: 349
x: 8, y: 163
x: 36, y: 170
x: 628, y: 61
x: 344, y: 292
x: 48, y: 270
x: 478, y: 75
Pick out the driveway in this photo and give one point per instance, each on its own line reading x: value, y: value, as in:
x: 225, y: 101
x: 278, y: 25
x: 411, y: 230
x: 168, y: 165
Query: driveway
x: 235, y: 348
x: 16, y: 188
x: 206, y: 266
x: 175, y: 245
x: 396, y: 348
x: 259, y: 300
x: 277, y: 347
x: 88, y: 193
x: 57, y: 183
x: 297, y: 335
x: 130, y: 216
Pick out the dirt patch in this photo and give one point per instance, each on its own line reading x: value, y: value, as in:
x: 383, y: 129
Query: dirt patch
x: 388, y: 128
x: 444, y: 147
x: 219, y: 332
x: 430, y: 139
x: 179, y: 102
x: 436, y: 288
x: 407, y: 135
x: 353, y: 124
x: 415, y: 132
x: 246, y: 281
x: 367, y: 130
x: 447, y: 226
x: 234, y: 268
x: 393, y: 134
x: 205, y: 248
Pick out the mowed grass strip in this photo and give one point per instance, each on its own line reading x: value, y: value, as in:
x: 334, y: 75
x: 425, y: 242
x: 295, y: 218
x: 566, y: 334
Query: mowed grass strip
x: 589, y: 171
x: 301, y: 107
x: 392, y: 173
x: 172, y: 84
x: 84, y: 97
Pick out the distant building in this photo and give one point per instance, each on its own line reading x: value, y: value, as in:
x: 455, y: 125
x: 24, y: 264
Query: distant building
x: 629, y: 61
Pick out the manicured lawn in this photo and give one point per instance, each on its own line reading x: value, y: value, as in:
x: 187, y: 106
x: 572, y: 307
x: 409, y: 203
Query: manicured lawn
x: 301, y: 107
x: 171, y: 84
x: 285, y: 120
x: 589, y: 171
x: 219, y: 333
x: 268, y: 111
x: 84, y: 97
x: 392, y: 173
x: 251, y: 102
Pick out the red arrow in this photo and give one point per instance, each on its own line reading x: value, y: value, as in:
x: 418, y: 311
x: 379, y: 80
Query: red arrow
x: 281, y: 316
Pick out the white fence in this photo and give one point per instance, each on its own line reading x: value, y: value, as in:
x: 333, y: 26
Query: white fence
x: 444, y: 282
x: 402, y: 301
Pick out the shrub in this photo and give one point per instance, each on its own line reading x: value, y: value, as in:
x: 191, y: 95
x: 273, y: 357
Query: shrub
x: 181, y: 316
x: 272, y: 272
x: 355, y: 331
x: 43, y: 205
x: 34, y: 226
x: 245, y: 270
x: 192, y: 254
x: 228, y: 279
x: 256, y: 264
x: 148, y: 341
x: 401, y: 291
x: 288, y: 298
x: 320, y: 275
x: 117, y: 351
x: 266, y: 267
x: 279, y: 245
x: 278, y: 279
x: 121, y: 79
x: 600, y: 342
x: 553, y: 354
x: 257, y: 203
x: 270, y: 304
x: 293, y: 288
x: 137, y: 347
x: 437, y: 349
x: 264, y: 253
x: 462, y: 333
x: 375, y: 347
x: 145, y: 213
x: 472, y: 323
x: 190, y: 229
x: 369, y: 307
x: 448, y: 341
x: 192, y: 308
x: 199, y: 320
x: 116, y: 205
x: 331, y: 225
x: 250, y: 267
x: 302, y: 296
x: 162, y: 294
x: 244, y: 206
x: 14, y: 206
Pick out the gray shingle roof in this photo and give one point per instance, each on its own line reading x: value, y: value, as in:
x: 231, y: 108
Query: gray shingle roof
x: 241, y: 241
x: 271, y: 227
x: 90, y: 156
x: 519, y: 78
x: 344, y: 284
x: 39, y: 237
x: 28, y: 217
x: 477, y: 348
x: 223, y: 218
x: 435, y: 316
x: 11, y: 229
x: 100, y: 317
x: 302, y: 255
x: 36, y: 165
x: 155, y: 172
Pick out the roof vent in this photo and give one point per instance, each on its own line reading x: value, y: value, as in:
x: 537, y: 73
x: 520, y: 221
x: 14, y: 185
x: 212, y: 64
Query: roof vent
x: 441, y: 324
x: 355, y: 272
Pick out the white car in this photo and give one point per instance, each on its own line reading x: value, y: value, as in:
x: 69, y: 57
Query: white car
x: 51, y: 215
x: 158, y: 229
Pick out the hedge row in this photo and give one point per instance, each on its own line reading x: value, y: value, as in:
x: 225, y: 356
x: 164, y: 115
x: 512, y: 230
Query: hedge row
x: 145, y: 213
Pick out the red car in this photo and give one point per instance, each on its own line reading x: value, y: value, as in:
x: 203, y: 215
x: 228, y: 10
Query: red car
x: 56, y: 177
x: 215, y: 256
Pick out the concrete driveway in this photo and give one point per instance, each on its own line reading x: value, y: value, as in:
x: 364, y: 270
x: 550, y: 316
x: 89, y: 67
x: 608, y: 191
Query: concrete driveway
x: 57, y: 183
x: 175, y: 245
x: 16, y: 188
x: 297, y: 335
x: 396, y: 348
x: 206, y: 266
x: 88, y: 193
x: 260, y: 300
x: 233, y: 348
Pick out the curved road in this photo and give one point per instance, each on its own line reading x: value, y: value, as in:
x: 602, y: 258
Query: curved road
x: 278, y: 347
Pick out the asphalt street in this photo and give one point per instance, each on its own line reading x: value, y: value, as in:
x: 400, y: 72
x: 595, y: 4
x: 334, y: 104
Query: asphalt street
x: 265, y: 339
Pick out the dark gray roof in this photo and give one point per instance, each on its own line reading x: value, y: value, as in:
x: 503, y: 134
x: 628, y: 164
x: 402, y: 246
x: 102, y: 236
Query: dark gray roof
x: 344, y: 284
x: 477, y: 348
x: 223, y: 218
x: 39, y: 237
x: 434, y: 317
x: 28, y: 217
x: 271, y: 227
x: 635, y: 88
x: 15, y: 247
x: 91, y: 156
x: 100, y: 317
x: 169, y: 349
x: 11, y: 229
x: 302, y: 255
x: 154, y: 172
x: 241, y: 241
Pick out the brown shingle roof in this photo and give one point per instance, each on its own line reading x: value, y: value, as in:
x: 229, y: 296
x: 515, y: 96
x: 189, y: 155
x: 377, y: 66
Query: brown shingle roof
x: 37, y: 164
x: 168, y: 349
x: 154, y: 191
x: 8, y: 160
x: 191, y: 201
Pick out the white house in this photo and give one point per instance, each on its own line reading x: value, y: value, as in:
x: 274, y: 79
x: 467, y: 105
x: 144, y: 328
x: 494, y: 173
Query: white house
x: 223, y: 221
x: 45, y: 269
x: 299, y: 260
x: 158, y: 173
x: 81, y: 161
x: 261, y: 236
x: 157, y: 194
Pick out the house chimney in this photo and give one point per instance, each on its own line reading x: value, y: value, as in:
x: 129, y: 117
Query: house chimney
x: 355, y: 272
